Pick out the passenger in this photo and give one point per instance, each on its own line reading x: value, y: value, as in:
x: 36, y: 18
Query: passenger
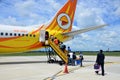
x: 51, y: 37
x: 46, y: 38
x: 56, y: 41
x: 46, y: 35
x: 68, y: 59
x: 81, y: 59
x: 74, y: 58
x: 69, y: 49
x: 71, y: 58
x: 62, y: 46
x: 100, y: 61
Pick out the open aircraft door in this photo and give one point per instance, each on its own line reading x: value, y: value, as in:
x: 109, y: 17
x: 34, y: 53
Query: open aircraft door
x: 42, y: 36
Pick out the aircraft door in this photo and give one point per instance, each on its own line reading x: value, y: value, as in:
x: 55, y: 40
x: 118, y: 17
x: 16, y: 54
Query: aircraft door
x: 42, y: 36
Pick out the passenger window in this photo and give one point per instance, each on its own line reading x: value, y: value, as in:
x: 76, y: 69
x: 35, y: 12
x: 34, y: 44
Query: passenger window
x: 26, y: 34
x: 10, y: 34
x: 30, y: 35
x: 18, y: 34
x: 33, y: 35
x: 1, y: 33
x: 6, y: 34
x: 15, y: 34
x: 22, y: 34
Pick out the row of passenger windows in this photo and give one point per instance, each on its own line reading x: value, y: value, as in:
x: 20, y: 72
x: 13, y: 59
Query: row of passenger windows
x: 16, y: 34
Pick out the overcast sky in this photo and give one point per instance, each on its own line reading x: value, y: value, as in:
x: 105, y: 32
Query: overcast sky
x: 88, y: 13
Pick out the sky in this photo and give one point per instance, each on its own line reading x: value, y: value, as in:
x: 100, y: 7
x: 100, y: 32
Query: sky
x: 88, y: 13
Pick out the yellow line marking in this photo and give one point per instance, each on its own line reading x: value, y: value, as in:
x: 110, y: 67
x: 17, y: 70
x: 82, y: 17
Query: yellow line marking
x: 61, y: 73
x: 73, y: 69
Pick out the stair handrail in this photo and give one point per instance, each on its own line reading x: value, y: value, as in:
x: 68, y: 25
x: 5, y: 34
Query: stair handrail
x: 62, y: 55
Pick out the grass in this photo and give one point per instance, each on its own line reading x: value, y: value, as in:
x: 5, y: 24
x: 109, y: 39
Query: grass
x: 111, y: 53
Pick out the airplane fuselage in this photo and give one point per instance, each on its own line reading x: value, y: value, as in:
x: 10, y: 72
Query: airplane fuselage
x: 21, y: 39
x: 18, y: 39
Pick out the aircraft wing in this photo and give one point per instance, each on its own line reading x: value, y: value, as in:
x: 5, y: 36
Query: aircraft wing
x: 73, y: 33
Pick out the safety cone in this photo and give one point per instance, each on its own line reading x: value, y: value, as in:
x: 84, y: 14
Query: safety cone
x: 66, y: 69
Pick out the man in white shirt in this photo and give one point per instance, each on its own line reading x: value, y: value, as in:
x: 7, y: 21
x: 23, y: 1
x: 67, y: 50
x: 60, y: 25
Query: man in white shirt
x: 71, y: 58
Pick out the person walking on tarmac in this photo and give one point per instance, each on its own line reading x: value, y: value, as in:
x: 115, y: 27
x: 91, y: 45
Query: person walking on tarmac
x: 100, y: 61
x: 70, y: 58
x: 81, y: 59
x: 74, y: 58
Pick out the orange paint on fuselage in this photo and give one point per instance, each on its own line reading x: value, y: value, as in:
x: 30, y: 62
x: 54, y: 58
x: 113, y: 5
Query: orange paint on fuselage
x: 29, y: 42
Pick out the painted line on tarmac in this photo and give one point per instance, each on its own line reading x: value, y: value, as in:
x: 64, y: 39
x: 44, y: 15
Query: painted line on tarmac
x: 52, y: 77
x: 73, y: 69
x: 76, y: 68
x: 61, y: 73
x: 112, y: 62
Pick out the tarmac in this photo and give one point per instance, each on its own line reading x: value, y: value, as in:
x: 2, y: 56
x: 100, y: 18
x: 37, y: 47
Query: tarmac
x: 36, y: 68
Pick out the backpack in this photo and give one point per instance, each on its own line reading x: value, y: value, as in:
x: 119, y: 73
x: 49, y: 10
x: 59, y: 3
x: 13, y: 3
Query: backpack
x: 74, y: 56
x: 81, y: 57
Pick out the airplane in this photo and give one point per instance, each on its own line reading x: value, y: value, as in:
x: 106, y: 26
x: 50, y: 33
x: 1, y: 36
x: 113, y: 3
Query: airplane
x: 22, y: 39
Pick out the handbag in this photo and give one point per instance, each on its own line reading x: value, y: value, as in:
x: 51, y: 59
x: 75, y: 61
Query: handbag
x: 96, y: 66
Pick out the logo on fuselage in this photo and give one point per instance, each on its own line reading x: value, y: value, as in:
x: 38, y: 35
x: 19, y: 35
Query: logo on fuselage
x: 64, y: 21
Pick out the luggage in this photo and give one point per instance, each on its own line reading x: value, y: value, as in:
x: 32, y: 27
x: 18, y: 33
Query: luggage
x: 96, y: 66
x: 77, y: 62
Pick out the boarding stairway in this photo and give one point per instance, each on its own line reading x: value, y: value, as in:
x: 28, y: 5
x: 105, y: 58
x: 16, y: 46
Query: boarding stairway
x: 59, y: 52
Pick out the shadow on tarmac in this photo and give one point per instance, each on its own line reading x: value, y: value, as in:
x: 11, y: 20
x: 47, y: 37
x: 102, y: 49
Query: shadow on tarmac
x: 22, y: 62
